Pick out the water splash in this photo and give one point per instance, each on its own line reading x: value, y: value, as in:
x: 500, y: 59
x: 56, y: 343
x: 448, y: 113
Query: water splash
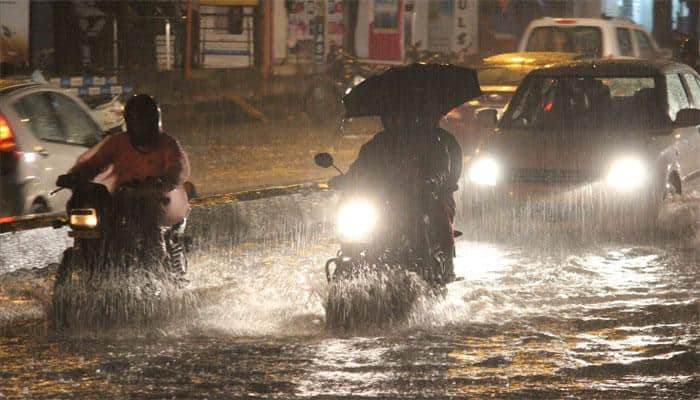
x: 373, y: 296
x: 135, y: 298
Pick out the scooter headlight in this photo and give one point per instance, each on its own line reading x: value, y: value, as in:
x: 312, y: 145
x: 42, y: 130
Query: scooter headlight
x: 83, y: 218
x: 627, y: 173
x: 356, y: 220
x: 485, y: 171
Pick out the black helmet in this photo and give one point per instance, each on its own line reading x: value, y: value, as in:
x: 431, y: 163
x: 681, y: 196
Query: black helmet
x: 142, y: 116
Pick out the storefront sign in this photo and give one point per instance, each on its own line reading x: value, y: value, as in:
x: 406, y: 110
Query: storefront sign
x: 466, y: 26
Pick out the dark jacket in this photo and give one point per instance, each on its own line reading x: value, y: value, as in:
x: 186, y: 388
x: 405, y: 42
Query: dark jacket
x: 401, y: 163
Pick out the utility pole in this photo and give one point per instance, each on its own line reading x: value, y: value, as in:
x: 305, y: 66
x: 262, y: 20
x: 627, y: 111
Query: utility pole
x: 266, y: 39
x: 188, y: 42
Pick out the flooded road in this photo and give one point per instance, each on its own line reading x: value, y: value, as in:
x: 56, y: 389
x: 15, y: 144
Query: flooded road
x: 561, y: 321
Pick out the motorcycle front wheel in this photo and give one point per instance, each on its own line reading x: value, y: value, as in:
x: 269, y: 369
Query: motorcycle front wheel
x: 362, y: 295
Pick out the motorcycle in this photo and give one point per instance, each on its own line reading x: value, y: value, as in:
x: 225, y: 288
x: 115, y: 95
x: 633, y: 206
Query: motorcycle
x: 113, y: 238
x: 107, y: 239
x: 385, y: 242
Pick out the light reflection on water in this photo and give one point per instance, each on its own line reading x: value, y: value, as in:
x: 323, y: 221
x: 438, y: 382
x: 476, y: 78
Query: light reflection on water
x: 583, y: 320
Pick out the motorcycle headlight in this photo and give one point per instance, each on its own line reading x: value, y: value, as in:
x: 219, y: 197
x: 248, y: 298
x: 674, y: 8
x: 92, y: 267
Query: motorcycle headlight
x: 356, y: 220
x: 627, y: 173
x: 485, y: 171
x: 83, y: 218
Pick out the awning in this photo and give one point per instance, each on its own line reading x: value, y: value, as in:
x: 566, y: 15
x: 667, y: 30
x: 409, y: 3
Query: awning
x: 228, y: 2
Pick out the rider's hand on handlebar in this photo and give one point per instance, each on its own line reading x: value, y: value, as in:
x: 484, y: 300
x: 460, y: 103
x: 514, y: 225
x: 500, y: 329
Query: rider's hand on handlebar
x: 67, y: 180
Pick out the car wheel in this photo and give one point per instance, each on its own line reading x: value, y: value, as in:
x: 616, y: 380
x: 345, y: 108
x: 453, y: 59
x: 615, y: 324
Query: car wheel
x: 39, y: 206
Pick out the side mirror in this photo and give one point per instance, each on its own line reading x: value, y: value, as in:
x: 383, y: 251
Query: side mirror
x: 323, y: 160
x: 487, y: 118
x: 688, y: 117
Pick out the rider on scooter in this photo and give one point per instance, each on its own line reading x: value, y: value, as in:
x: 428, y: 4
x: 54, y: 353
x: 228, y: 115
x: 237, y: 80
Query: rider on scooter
x: 412, y: 149
x: 145, y: 154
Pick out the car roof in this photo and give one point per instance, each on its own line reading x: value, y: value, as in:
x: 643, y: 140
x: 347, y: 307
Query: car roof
x: 10, y: 85
x: 531, y: 58
x: 611, y: 68
x: 564, y: 21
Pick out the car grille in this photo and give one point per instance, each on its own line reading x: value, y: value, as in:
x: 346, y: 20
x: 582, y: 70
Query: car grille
x: 552, y: 176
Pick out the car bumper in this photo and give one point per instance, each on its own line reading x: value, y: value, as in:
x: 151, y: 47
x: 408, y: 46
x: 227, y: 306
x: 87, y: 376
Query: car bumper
x: 551, y: 202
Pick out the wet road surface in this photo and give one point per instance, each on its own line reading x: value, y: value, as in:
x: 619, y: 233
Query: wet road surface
x: 557, y: 321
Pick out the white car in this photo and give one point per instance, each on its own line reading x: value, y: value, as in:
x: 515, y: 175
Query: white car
x: 621, y: 133
x: 42, y: 133
x: 593, y: 37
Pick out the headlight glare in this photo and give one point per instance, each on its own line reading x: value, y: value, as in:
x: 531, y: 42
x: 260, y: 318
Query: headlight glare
x: 356, y: 220
x: 485, y: 171
x: 627, y: 173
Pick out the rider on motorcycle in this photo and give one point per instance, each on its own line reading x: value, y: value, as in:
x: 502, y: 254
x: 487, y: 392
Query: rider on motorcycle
x: 144, y: 154
x: 412, y: 161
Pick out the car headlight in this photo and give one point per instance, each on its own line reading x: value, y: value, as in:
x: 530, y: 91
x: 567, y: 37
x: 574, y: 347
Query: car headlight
x: 485, y: 171
x: 357, y: 80
x: 627, y: 173
x: 356, y: 220
x: 83, y: 218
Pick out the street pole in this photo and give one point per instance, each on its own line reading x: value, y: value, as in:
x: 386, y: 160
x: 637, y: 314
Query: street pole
x: 168, y: 50
x: 266, y: 39
x: 188, y: 42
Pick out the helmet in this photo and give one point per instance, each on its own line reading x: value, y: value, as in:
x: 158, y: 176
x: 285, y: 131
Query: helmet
x: 142, y: 116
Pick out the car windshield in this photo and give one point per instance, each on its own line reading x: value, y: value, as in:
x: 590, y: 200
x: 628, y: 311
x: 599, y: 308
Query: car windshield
x: 502, y: 76
x: 586, y: 40
x: 580, y: 103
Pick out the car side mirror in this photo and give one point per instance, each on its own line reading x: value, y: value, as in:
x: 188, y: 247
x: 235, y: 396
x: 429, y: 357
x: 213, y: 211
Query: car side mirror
x: 323, y: 160
x: 688, y: 117
x: 487, y: 118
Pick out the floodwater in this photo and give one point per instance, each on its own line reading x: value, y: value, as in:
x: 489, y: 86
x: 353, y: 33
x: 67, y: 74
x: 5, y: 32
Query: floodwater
x: 564, y: 319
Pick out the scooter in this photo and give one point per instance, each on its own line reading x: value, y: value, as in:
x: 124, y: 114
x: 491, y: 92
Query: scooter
x: 379, y: 239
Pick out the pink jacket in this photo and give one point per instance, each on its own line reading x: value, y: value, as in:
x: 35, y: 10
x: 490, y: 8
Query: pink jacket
x: 114, y: 161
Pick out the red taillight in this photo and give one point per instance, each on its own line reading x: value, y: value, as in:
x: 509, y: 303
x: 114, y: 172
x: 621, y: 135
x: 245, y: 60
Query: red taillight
x: 5, y: 220
x: 564, y: 21
x: 7, y: 138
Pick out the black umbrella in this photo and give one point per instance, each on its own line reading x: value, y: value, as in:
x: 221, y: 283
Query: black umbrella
x: 414, y: 89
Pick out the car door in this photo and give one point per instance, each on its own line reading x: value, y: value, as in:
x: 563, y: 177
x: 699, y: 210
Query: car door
x: 686, y: 138
x: 65, y: 131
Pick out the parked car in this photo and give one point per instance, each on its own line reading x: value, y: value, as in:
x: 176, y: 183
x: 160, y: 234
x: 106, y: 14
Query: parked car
x: 622, y: 133
x: 42, y: 132
x: 593, y: 37
x: 499, y: 77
